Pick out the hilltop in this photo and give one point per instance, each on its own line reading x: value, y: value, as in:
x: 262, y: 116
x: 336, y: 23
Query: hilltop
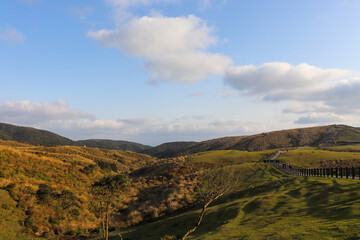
x: 312, y: 136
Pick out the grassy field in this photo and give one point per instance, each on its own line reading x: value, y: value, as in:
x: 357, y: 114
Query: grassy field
x: 231, y: 156
x: 270, y: 206
x: 351, y: 148
x: 313, y: 157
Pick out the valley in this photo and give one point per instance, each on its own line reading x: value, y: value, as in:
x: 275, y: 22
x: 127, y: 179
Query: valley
x: 47, y: 193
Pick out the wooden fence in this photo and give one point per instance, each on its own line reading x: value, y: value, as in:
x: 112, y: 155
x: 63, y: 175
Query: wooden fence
x: 335, y: 172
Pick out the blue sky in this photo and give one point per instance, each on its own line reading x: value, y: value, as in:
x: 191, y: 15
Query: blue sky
x: 154, y: 71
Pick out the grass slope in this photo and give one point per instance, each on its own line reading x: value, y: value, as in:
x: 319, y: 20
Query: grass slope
x: 231, y: 156
x: 11, y: 219
x: 271, y: 206
x: 312, y: 136
x: 327, y: 157
x: 67, y: 206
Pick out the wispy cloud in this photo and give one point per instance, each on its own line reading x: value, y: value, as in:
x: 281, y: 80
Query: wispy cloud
x: 82, y: 13
x: 11, y: 36
x: 59, y: 117
x: 196, y: 94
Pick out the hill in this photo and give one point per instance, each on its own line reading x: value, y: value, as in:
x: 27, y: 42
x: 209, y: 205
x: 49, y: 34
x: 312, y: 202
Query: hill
x: 45, y: 138
x: 312, y: 136
x: 113, y: 145
x: 32, y: 136
x: 51, y: 188
x: 167, y: 149
x: 46, y: 192
x: 270, y: 205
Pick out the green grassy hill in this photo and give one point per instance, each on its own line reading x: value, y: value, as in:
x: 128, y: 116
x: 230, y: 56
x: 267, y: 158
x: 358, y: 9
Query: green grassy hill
x: 270, y: 205
x: 313, y: 136
x: 344, y: 156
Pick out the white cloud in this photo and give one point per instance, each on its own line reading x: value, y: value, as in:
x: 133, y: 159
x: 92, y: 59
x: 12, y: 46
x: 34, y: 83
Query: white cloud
x: 128, y: 3
x: 149, y: 36
x: 186, y: 67
x: 173, y: 48
x: 316, y: 95
x: 121, y: 7
x: 33, y: 113
x: 11, y: 36
x: 306, y: 107
x: 281, y: 79
x: 323, y: 118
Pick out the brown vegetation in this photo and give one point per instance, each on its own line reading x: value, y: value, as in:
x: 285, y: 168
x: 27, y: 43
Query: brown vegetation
x: 52, y: 186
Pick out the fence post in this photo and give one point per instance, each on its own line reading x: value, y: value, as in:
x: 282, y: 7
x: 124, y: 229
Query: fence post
x: 353, y: 172
x: 336, y: 172
x: 332, y: 172
x: 341, y: 172
x: 347, y: 172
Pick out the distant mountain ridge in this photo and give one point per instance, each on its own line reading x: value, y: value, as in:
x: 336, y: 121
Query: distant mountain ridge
x: 32, y: 136
x: 35, y: 136
x: 311, y: 136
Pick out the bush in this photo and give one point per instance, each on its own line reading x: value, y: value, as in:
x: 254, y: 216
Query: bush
x: 45, y: 193
x: 107, y: 166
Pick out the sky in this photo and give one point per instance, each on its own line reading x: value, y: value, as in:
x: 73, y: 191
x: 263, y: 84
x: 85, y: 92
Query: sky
x: 155, y: 71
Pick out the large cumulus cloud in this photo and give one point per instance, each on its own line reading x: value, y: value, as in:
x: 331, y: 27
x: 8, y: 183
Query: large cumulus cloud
x: 174, y: 48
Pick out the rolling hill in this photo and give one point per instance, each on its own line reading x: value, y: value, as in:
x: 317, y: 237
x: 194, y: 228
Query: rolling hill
x: 46, y: 191
x: 113, y: 145
x: 32, y: 136
x: 45, y: 138
x: 312, y: 136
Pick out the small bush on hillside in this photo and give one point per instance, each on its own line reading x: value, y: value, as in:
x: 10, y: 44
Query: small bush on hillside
x: 45, y: 193
x: 107, y: 166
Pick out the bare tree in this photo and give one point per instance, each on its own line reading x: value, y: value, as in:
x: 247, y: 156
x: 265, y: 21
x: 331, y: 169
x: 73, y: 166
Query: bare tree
x: 212, y: 185
x: 107, y: 190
